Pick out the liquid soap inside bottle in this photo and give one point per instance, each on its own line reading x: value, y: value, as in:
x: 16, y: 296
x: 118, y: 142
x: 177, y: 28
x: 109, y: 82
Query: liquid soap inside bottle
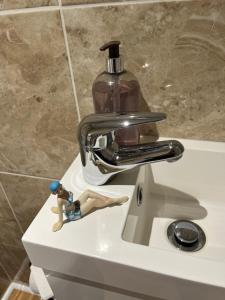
x: 118, y: 92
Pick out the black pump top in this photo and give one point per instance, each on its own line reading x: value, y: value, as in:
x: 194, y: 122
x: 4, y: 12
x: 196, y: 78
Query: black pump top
x: 114, y: 50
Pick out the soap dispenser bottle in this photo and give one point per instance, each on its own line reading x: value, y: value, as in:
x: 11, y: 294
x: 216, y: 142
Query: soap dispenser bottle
x: 117, y: 90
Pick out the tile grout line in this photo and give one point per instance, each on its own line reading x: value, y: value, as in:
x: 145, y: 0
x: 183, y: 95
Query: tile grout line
x: 69, y: 59
x: 10, y: 205
x: 15, y: 11
x: 27, y: 176
x: 23, y: 266
x: 28, y: 10
x: 119, y: 3
x: 6, y: 272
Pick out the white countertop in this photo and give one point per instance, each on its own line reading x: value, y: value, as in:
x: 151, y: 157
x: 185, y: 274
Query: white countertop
x: 97, y: 237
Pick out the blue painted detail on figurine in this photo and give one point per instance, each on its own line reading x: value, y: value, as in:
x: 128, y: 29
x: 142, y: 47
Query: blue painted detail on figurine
x: 72, y: 209
x: 70, y: 197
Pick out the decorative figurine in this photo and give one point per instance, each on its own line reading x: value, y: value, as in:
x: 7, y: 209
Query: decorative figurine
x: 75, y: 210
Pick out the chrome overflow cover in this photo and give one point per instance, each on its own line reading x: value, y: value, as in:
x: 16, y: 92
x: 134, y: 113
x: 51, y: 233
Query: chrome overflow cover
x: 186, y: 235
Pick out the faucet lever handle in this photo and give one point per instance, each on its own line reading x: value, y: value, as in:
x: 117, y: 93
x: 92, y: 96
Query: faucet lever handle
x: 99, y: 124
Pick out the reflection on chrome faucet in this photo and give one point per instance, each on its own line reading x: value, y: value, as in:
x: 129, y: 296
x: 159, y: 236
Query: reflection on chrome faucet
x: 102, y: 157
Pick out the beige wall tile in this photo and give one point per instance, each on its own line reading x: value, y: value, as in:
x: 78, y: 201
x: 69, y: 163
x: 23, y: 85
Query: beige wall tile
x: 38, y: 116
x: 12, y: 258
x: 3, y: 286
x: 27, y: 196
x: 4, y: 281
x: 74, y: 2
x: 177, y: 51
x: 10, y: 232
x: 12, y: 4
x: 24, y: 274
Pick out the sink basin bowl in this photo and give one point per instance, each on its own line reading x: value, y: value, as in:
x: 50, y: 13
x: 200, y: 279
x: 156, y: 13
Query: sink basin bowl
x: 122, y: 252
x: 192, y: 188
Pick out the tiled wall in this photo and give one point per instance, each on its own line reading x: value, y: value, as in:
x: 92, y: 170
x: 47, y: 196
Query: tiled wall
x: 38, y: 120
x: 175, y: 48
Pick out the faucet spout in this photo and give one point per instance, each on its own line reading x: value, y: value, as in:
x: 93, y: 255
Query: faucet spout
x: 170, y: 150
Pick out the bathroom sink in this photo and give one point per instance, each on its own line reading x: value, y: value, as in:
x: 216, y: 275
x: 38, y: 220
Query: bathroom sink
x: 123, y: 252
x: 192, y: 188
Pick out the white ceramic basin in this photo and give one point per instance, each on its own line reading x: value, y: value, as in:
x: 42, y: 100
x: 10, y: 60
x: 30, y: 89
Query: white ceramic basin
x: 124, y: 250
x: 193, y: 188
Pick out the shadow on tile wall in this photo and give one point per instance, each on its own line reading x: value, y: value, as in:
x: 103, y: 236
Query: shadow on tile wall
x: 176, y: 49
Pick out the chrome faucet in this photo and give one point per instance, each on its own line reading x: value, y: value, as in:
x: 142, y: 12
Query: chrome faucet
x: 102, y: 157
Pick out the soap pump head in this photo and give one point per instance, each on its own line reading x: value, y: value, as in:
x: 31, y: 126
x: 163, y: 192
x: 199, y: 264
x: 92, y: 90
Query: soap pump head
x: 114, y: 62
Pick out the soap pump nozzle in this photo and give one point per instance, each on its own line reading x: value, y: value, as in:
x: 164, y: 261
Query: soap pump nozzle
x: 114, y: 62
